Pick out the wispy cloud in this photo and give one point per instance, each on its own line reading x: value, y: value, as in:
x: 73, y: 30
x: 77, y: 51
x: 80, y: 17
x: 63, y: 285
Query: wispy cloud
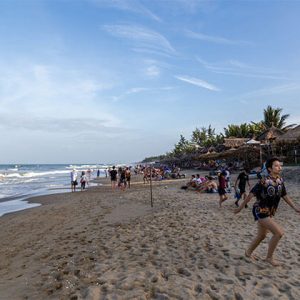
x: 198, y: 82
x: 58, y: 125
x: 153, y: 71
x: 272, y: 90
x: 216, y: 39
x: 143, y: 37
x: 237, y: 68
x: 134, y: 6
x: 136, y: 90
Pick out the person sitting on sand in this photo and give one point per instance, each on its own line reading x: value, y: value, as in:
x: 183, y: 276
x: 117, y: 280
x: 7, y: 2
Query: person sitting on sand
x: 198, y: 180
x: 211, y: 185
x: 192, y: 182
x: 268, y: 192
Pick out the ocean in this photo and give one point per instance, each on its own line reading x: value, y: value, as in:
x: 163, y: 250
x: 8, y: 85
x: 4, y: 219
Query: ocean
x: 20, y: 182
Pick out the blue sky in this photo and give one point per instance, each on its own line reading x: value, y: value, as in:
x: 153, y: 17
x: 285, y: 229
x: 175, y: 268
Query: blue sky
x: 119, y: 80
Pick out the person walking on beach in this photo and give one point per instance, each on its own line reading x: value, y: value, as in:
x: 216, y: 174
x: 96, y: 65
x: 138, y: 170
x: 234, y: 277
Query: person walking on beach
x: 73, y: 180
x: 241, y: 182
x: 268, y: 192
x: 113, y: 177
x: 128, y: 176
x: 83, y: 180
x: 222, y: 188
x: 228, y: 180
x: 98, y: 173
x: 88, y: 176
x: 122, y: 181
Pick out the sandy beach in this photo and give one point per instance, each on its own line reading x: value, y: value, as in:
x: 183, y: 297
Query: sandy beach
x: 103, y: 244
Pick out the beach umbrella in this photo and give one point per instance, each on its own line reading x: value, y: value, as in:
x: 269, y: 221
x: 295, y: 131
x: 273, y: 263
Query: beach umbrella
x: 253, y: 142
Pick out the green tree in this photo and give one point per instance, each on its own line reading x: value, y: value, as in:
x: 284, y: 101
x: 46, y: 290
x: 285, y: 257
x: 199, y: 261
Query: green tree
x: 205, y: 136
x: 274, y: 117
x: 240, y: 131
x: 181, y: 146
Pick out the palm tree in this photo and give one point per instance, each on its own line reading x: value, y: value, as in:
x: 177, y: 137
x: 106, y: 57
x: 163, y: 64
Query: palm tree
x: 273, y: 117
x: 240, y: 131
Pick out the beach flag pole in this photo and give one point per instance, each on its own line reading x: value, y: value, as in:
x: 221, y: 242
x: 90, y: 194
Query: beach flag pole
x: 151, y: 196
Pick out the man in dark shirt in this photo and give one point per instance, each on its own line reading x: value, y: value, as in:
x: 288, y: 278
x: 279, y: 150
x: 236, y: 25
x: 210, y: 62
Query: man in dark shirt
x: 113, y: 177
x: 241, y: 182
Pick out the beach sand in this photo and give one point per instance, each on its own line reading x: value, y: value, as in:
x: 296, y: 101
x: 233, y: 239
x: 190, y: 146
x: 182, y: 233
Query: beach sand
x: 101, y: 244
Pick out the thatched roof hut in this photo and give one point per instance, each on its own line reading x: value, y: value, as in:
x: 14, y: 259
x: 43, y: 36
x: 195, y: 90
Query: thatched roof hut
x: 270, y: 135
x: 291, y: 136
x: 231, y: 153
x: 233, y: 142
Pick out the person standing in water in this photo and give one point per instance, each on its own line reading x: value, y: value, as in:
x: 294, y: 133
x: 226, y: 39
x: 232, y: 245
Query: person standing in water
x: 268, y: 192
x: 113, y: 177
x: 73, y: 180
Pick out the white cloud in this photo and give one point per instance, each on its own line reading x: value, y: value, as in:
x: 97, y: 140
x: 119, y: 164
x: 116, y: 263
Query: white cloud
x: 153, y: 71
x: 237, y: 68
x: 272, y: 90
x: 42, y: 92
x: 198, y: 82
x: 216, y: 39
x: 136, y: 90
x: 143, y: 37
x: 134, y: 6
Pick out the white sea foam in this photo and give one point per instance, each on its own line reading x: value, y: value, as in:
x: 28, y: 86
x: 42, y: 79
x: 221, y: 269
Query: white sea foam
x: 33, y: 174
x: 15, y: 205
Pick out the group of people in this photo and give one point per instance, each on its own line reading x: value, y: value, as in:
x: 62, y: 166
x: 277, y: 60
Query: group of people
x: 268, y: 191
x: 120, y: 178
x: 84, y: 179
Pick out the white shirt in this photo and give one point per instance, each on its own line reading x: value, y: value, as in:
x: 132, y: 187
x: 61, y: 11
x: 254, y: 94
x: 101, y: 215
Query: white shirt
x: 73, y: 176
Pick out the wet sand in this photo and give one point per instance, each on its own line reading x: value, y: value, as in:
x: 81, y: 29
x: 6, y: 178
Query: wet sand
x: 103, y: 244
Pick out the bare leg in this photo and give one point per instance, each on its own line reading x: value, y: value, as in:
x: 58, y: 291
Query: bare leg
x: 277, y: 231
x: 222, y: 199
x: 261, y: 235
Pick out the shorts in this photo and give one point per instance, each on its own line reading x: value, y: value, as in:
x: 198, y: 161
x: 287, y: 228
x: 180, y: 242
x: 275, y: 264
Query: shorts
x: 221, y: 191
x: 74, y: 182
x: 260, y: 212
x: 242, y: 190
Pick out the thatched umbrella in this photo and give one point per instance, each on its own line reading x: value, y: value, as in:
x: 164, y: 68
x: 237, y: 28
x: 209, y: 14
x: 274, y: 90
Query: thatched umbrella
x: 269, y: 135
x: 233, y: 142
x: 290, y: 142
x: 291, y: 136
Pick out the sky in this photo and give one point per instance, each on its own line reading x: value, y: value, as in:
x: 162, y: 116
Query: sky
x: 108, y: 81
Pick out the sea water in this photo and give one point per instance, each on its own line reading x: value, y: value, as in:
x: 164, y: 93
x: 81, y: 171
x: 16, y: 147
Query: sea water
x: 20, y: 182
